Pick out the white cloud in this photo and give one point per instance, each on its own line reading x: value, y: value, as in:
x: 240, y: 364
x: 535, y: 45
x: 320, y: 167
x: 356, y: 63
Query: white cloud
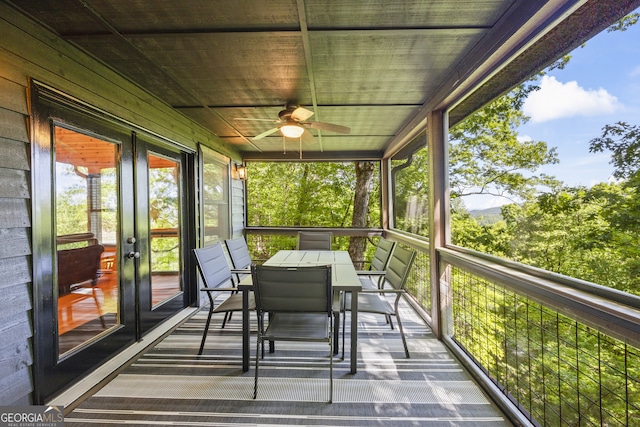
x: 592, y: 159
x: 524, y: 138
x: 557, y: 100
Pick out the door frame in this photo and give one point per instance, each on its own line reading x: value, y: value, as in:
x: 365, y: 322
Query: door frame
x: 149, y: 315
x: 49, y: 107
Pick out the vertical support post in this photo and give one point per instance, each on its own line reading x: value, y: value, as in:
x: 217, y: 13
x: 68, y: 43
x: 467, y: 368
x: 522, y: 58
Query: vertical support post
x: 385, y: 193
x: 439, y: 229
x: 94, y: 205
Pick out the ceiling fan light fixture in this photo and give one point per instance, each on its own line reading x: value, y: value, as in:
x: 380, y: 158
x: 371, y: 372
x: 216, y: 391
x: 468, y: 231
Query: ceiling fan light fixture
x: 292, y: 130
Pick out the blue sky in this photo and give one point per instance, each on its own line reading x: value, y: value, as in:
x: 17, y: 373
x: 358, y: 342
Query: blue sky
x: 599, y: 86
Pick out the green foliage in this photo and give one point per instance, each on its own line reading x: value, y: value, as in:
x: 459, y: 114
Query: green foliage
x: 303, y: 194
x: 486, y: 156
x: 562, y: 372
x: 411, y: 193
x: 625, y: 22
x: 164, y: 214
x: 588, y: 233
x: 300, y: 194
x: 623, y: 140
x: 468, y: 232
x: 71, y: 211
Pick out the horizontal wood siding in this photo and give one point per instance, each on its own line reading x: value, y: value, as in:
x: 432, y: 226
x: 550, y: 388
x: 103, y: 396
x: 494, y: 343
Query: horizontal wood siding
x: 45, y: 57
x: 28, y: 51
x: 15, y: 261
x: 237, y: 207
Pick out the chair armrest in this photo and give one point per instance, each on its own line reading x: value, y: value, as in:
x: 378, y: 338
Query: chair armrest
x: 241, y: 271
x: 219, y: 289
x: 370, y: 273
x: 382, y: 291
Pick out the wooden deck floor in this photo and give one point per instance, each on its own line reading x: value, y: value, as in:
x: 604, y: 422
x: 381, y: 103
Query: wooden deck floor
x: 171, y: 385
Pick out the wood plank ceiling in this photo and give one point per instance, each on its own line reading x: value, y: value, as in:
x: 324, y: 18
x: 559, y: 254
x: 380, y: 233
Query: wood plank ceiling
x: 373, y: 66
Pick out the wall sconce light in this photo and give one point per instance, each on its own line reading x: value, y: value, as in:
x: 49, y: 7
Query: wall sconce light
x: 240, y: 172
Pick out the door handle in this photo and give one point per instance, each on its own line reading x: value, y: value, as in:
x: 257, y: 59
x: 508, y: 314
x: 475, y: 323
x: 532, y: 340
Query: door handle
x: 133, y: 255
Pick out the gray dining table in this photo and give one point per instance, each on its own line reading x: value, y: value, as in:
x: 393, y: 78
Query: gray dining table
x: 344, y: 278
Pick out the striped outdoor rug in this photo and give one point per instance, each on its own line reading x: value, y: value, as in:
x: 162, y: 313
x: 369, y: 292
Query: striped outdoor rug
x: 172, y: 385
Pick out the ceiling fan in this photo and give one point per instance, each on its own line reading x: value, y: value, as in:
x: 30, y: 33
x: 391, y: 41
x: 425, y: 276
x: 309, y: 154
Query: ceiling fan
x: 292, y: 123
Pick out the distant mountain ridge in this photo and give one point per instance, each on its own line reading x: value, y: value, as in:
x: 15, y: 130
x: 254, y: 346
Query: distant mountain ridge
x: 487, y: 216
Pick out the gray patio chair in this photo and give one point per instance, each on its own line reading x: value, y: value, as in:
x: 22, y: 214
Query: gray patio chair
x: 373, y: 278
x: 370, y: 279
x: 300, y: 306
x: 375, y: 301
x: 314, y: 240
x: 216, y: 276
x: 240, y: 257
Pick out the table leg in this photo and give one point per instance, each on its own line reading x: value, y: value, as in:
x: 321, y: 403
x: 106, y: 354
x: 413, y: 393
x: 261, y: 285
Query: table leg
x: 246, y: 333
x: 354, y: 332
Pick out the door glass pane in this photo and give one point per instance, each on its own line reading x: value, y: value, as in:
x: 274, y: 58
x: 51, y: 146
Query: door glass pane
x: 164, y: 219
x: 215, y: 199
x: 86, y: 225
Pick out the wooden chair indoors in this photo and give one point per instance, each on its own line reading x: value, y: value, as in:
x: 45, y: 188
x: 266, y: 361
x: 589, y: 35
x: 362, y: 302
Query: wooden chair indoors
x: 300, y: 305
x: 314, y: 240
x: 375, y: 300
x: 216, y: 276
x: 77, y: 273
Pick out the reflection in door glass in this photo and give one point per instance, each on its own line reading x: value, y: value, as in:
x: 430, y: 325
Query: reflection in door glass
x: 215, y: 199
x: 164, y: 218
x: 86, y: 200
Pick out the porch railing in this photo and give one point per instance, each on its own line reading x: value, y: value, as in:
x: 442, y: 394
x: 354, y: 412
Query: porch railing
x: 561, y: 351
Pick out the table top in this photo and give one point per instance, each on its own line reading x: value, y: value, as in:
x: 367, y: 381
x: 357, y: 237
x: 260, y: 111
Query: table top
x: 306, y: 257
x: 344, y: 273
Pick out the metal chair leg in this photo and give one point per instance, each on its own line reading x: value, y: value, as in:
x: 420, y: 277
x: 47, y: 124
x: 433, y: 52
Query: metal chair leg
x: 331, y: 363
x: 336, y: 331
x: 344, y: 326
x: 206, y: 327
x: 404, y: 340
x: 255, y: 382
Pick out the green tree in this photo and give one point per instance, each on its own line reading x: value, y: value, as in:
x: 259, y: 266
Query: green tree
x: 365, y: 172
x: 71, y: 210
x: 574, y: 232
x: 311, y: 194
x: 486, y: 156
x: 623, y: 141
x: 411, y: 192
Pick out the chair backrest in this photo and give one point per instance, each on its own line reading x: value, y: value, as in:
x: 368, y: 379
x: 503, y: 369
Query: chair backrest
x: 399, y: 267
x: 213, y: 266
x: 239, y: 253
x: 78, y: 265
x: 292, y: 289
x: 314, y: 240
x: 382, y: 254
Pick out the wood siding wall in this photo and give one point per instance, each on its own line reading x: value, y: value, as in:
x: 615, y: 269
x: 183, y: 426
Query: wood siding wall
x: 28, y: 51
x: 15, y: 251
x: 237, y: 208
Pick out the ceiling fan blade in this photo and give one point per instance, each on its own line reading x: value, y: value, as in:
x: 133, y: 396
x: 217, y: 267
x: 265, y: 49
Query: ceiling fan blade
x: 301, y: 114
x: 267, y: 133
x: 307, y: 137
x: 329, y: 127
x: 255, y: 120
